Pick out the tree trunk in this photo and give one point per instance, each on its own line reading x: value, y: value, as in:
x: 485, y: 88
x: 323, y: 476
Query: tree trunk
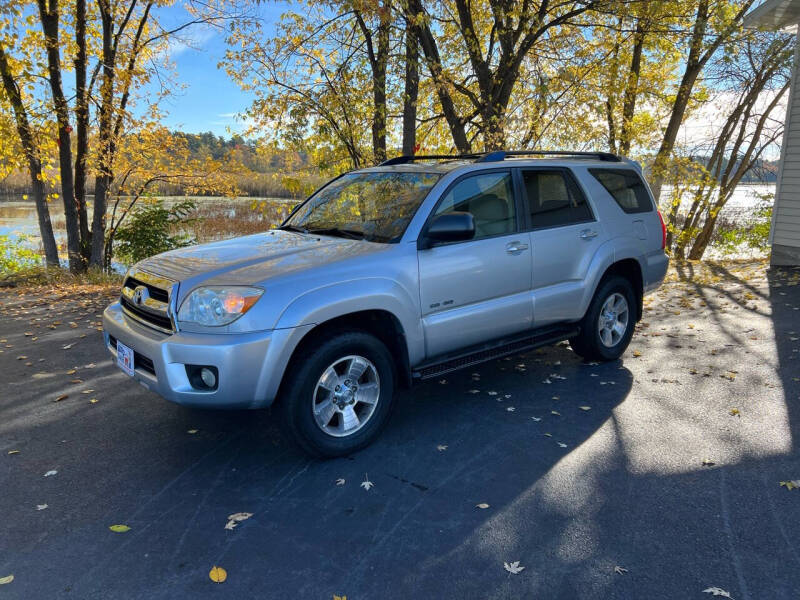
x: 410, y: 94
x: 34, y: 164
x: 631, y: 90
x: 431, y: 52
x: 105, y: 152
x: 82, y: 127
x: 49, y: 18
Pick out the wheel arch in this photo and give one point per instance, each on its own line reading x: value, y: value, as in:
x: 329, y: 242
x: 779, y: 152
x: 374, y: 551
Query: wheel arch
x: 630, y: 269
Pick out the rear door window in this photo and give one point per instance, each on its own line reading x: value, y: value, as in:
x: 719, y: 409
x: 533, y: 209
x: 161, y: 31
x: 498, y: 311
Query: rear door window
x: 626, y: 187
x: 553, y: 199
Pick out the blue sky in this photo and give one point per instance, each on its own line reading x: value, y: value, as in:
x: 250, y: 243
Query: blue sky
x: 210, y: 100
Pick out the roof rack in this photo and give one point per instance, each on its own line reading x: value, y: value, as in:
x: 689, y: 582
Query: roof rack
x: 500, y: 155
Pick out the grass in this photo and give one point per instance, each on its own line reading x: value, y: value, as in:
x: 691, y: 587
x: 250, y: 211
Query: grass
x: 57, y: 277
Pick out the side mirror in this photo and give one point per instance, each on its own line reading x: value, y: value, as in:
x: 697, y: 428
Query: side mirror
x: 449, y: 227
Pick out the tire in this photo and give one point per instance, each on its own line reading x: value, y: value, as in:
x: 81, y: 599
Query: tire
x: 598, y: 340
x: 310, y: 396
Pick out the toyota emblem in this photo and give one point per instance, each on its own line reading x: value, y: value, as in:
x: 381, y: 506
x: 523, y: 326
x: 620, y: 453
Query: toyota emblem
x: 140, y: 295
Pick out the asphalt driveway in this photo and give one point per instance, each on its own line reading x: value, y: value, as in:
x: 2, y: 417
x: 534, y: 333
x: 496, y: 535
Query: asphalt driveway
x: 584, y: 468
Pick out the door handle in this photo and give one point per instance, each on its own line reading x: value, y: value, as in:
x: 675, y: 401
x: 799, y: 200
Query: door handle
x: 588, y: 234
x: 516, y: 247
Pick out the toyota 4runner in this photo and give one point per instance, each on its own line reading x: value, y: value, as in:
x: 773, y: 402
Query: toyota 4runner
x: 393, y: 274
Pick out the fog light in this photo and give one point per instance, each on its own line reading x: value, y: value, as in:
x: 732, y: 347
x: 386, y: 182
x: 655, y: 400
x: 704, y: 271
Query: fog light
x: 203, y: 377
x: 208, y: 377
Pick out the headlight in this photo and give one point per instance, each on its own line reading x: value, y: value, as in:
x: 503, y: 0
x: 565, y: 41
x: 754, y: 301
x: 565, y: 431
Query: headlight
x: 216, y: 306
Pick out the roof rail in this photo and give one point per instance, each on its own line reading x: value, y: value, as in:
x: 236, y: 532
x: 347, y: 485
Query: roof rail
x: 501, y: 155
x: 406, y: 158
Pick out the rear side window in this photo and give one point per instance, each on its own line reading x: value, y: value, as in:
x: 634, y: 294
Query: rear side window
x: 626, y: 187
x: 553, y: 199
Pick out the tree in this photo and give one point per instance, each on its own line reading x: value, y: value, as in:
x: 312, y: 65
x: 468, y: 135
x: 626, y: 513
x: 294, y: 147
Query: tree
x: 756, y: 73
x: 17, y: 86
x: 715, y: 21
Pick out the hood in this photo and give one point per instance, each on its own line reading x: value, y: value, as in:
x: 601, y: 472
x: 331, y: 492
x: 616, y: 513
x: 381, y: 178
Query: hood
x: 254, y: 258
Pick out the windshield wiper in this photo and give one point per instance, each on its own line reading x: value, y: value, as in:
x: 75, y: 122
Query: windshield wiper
x: 293, y: 228
x: 352, y: 234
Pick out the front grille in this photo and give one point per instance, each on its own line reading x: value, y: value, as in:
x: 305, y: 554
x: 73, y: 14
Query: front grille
x: 146, y: 298
x: 155, y: 292
x: 159, y: 321
x: 140, y: 361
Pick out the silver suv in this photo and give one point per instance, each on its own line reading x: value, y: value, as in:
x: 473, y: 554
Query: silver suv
x: 391, y: 275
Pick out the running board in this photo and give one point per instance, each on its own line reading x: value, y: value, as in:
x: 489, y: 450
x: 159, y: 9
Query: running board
x: 476, y: 355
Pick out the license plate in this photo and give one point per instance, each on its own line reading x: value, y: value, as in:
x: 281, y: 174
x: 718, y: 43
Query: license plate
x: 125, y: 358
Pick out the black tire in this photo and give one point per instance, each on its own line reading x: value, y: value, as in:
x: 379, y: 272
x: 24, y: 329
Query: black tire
x: 298, y: 392
x: 588, y: 343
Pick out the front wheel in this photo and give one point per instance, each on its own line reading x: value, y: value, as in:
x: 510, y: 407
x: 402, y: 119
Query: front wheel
x: 607, y: 327
x: 339, y: 395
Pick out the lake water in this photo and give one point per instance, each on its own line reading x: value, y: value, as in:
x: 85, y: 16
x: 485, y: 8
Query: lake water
x: 18, y: 218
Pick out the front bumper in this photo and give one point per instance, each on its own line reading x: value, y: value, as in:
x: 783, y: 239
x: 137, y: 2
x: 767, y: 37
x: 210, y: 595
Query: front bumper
x: 250, y: 365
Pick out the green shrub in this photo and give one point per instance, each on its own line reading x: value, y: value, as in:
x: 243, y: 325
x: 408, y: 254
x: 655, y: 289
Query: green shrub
x: 154, y: 228
x: 753, y: 234
x: 15, y: 256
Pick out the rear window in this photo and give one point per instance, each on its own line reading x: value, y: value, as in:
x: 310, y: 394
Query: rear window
x: 626, y: 187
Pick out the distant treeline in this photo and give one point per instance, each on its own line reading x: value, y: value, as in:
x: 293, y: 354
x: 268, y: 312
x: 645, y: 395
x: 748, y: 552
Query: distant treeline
x: 259, y: 173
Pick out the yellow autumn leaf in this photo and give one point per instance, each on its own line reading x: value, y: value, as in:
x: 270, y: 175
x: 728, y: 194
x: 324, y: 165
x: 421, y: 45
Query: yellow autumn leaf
x: 7, y: 579
x: 13, y: 451
x: 636, y: 354
x: 791, y: 485
x: 217, y: 574
x: 335, y: 597
x: 734, y: 412
x: 119, y: 528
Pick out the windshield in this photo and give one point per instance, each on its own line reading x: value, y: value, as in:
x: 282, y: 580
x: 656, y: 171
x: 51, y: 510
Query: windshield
x: 376, y: 207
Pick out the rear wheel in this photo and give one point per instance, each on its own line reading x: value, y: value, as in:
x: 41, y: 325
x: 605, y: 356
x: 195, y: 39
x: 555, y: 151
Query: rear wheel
x: 339, y: 395
x: 607, y: 327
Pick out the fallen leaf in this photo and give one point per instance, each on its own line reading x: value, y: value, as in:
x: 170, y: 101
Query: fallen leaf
x: 620, y: 570
x: 236, y: 518
x: 792, y: 484
x: 340, y: 481
x: 41, y: 506
x: 72, y: 372
x: 367, y: 484
x: 555, y: 412
x: 87, y: 391
x: 585, y: 407
x: 707, y: 462
x: 734, y: 412
x: 537, y: 419
x: 93, y: 400
x: 13, y: 451
x: 548, y: 434
x: 482, y: 505
x: 192, y: 431
x: 511, y: 409
x: 492, y: 393
x: 715, y: 591
x: 6, y: 579
x: 119, y: 528
x: 513, y: 567
x: 61, y: 397
x: 441, y: 447
x: 562, y: 445
x: 335, y: 597
x: 50, y: 473
x: 217, y: 574
x: 68, y: 346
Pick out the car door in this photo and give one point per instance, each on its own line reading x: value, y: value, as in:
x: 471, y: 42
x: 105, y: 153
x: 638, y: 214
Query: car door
x: 564, y: 237
x: 477, y: 290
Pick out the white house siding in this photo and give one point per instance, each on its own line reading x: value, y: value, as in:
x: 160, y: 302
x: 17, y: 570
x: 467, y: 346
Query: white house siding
x: 785, y: 232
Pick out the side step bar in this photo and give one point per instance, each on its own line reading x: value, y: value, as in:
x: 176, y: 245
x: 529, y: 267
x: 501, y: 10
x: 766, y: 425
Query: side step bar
x: 475, y: 355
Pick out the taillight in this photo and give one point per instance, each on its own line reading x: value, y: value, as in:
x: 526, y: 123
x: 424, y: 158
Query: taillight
x: 663, y: 231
